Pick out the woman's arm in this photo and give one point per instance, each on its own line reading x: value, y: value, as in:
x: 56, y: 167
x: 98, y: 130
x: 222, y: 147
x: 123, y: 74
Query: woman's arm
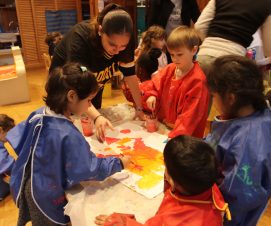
x: 266, y: 36
x: 205, y: 18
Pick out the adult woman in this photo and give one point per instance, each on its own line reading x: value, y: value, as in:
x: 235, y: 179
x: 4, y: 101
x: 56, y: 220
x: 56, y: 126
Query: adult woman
x: 103, y: 46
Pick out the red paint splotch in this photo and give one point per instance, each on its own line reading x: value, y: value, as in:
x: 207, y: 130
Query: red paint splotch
x: 125, y: 131
x: 110, y: 140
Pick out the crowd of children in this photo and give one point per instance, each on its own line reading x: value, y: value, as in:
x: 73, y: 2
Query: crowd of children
x: 232, y: 162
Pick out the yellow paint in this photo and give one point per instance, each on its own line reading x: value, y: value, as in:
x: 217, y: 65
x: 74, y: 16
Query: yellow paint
x: 149, y: 180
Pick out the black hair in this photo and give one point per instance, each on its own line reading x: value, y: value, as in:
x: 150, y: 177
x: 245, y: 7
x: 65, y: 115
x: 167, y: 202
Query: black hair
x: 50, y: 37
x: 115, y: 20
x: 147, y: 63
x: 191, y: 163
x: 240, y: 76
x: 6, y: 123
x: 71, y: 77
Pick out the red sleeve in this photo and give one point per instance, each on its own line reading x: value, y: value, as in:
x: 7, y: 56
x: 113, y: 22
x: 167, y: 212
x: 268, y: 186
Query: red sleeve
x: 155, y: 86
x: 195, y: 109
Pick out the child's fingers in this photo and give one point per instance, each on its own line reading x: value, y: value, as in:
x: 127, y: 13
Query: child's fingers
x: 101, y: 219
x: 109, y: 125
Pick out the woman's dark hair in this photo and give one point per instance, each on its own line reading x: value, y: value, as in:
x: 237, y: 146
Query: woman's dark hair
x: 191, y: 163
x: 6, y: 123
x: 240, y: 76
x: 114, y: 20
x: 71, y: 77
x: 147, y: 63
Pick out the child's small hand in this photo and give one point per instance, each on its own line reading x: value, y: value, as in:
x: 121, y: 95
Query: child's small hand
x: 126, y: 161
x: 101, y: 125
x: 151, y: 102
x: 101, y: 219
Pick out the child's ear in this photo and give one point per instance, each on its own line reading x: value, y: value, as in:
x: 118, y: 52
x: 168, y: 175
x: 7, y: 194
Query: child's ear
x: 100, y: 30
x: 72, y: 96
x: 231, y: 98
x: 195, y: 49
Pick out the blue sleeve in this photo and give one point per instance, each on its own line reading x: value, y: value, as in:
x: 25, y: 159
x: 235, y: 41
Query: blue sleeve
x: 82, y: 164
x: 6, y: 161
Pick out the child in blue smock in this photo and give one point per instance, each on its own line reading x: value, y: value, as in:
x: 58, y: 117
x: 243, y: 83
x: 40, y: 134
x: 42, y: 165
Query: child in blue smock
x: 6, y: 161
x: 241, y: 135
x: 52, y: 153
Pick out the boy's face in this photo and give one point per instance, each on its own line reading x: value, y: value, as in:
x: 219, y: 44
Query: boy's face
x: 182, y: 57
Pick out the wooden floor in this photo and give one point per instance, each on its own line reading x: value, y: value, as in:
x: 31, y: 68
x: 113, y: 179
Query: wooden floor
x: 36, y: 80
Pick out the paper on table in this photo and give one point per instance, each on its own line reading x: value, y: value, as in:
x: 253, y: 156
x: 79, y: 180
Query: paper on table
x: 130, y: 138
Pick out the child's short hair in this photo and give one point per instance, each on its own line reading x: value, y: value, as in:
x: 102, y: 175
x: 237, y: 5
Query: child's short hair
x: 191, y: 163
x: 6, y: 123
x: 240, y: 76
x: 71, y: 77
x: 50, y: 37
x: 183, y: 36
x: 154, y: 32
x: 147, y: 63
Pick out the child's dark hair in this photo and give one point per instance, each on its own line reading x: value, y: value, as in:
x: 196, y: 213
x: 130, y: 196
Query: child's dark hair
x: 240, y: 76
x: 6, y: 123
x: 191, y: 163
x: 147, y: 63
x: 50, y: 37
x: 154, y: 32
x: 71, y: 77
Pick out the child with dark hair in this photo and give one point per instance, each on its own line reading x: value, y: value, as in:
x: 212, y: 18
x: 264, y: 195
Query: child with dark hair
x: 241, y: 137
x: 192, y: 197
x: 179, y: 95
x: 52, y: 39
x: 52, y: 153
x: 6, y: 161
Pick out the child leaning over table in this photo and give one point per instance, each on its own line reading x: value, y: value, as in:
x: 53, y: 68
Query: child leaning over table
x: 241, y: 135
x: 6, y: 161
x: 192, y: 197
x: 179, y: 95
x: 52, y: 153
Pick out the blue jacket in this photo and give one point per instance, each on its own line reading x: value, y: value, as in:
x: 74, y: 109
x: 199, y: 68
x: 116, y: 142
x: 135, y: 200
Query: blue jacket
x: 60, y: 158
x: 243, y: 148
x: 6, y: 161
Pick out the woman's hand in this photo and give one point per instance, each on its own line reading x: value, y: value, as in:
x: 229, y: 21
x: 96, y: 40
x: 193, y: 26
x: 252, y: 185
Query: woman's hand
x: 101, y: 124
x: 151, y: 103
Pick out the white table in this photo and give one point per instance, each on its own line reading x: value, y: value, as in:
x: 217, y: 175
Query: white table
x: 93, y: 198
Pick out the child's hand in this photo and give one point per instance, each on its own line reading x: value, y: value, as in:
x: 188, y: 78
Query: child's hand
x: 126, y: 161
x: 151, y: 102
x: 101, y: 219
x: 101, y: 124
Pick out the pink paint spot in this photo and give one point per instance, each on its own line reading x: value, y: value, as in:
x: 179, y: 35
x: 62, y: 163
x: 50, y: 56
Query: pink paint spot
x: 110, y: 140
x: 125, y: 131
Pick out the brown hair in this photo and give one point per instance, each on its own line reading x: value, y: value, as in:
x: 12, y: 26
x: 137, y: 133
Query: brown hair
x: 71, y: 77
x: 6, y: 123
x: 50, y: 37
x: 183, y: 36
x: 153, y: 32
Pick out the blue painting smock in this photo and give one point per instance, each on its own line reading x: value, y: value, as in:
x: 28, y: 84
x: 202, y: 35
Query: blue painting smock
x: 6, y: 161
x: 243, y: 148
x: 60, y: 158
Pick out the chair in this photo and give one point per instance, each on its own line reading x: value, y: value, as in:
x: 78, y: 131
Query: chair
x: 47, y: 61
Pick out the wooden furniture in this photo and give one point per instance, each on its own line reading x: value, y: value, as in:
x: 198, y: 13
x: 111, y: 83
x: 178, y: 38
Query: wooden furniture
x: 14, y: 87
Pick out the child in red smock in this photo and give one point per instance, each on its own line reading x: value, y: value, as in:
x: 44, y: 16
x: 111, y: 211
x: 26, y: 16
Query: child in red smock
x: 179, y: 94
x: 192, y: 197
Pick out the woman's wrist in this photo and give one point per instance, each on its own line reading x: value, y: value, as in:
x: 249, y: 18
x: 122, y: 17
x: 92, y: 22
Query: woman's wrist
x: 95, y: 119
x: 139, y: 109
